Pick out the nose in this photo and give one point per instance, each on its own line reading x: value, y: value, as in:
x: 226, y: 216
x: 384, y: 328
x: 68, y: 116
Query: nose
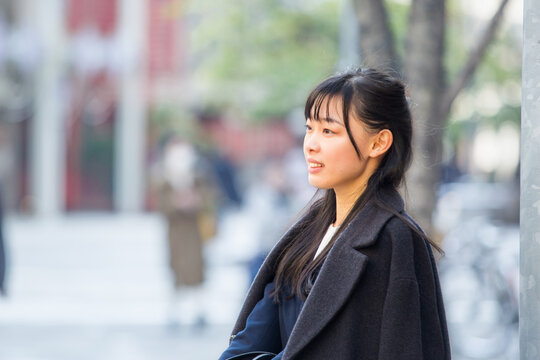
x: 311, y: 143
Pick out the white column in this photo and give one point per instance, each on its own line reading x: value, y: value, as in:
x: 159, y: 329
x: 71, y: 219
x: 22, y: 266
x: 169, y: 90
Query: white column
x: 131, y: 120
x: 529, y: 317
x: 47, y: 156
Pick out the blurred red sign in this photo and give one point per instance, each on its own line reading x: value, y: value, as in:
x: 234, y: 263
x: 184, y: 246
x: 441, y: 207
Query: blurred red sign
x: 91, y: 13
x: 163, y: 37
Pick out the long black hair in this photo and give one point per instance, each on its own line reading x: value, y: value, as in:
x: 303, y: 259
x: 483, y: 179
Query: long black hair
x: 379, y: 101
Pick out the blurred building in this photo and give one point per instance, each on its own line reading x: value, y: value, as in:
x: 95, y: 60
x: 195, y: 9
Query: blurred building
x: 77, y: 78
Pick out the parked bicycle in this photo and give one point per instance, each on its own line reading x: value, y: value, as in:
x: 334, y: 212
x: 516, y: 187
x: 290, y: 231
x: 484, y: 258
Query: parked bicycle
x: 479, y: 276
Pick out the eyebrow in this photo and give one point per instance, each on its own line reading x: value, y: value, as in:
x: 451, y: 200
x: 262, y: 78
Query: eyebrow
x: 329, y: 120
x: 332, y: 121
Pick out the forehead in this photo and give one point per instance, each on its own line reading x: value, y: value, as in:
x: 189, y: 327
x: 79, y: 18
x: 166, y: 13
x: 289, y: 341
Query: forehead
x: 327, y: 107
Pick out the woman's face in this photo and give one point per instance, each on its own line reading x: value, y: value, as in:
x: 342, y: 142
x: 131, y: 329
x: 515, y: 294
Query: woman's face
x: 330, y: 155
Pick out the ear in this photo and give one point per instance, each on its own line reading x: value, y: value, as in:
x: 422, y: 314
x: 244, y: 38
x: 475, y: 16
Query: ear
x: 381, y: 143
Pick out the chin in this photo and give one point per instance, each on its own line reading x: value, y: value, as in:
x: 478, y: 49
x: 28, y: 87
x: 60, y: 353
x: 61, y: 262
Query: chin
x: 319, y: 184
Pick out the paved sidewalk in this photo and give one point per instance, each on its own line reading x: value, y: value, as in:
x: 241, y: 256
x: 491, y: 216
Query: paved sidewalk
x: 98, y: 287
x: 111, y: 342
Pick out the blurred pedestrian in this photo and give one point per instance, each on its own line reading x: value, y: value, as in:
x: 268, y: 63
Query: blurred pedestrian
x: 184, y: 200
x: 355, y: 277
x: 223, y: 169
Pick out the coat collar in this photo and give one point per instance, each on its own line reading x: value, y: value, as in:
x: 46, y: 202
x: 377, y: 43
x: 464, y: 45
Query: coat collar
x: 363, y: 229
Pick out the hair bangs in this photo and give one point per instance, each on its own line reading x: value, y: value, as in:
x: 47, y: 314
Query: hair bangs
x: 327, y: 90
x: 313, y: 108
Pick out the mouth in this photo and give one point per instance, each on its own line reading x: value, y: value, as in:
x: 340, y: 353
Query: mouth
x: 314, y: 166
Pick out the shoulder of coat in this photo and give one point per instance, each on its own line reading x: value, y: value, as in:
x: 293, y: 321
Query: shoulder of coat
x: 397, y: 226
x: 398, y: 233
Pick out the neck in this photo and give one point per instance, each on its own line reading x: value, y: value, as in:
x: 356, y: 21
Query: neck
x: 345, y: 201
x: 347, y: 194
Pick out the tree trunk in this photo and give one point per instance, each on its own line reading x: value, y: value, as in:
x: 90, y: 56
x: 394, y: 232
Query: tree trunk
x: 376, y: 39
x: 425, y: 77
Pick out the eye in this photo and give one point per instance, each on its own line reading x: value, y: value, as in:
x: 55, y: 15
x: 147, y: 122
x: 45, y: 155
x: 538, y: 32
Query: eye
x: 308, y: 128
x: 327, y: 131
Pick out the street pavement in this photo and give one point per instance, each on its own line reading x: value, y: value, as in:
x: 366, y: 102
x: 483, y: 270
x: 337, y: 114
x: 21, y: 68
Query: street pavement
x: 95, y: 286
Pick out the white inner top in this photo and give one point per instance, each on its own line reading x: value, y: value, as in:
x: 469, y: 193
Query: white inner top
x: 326, y: 239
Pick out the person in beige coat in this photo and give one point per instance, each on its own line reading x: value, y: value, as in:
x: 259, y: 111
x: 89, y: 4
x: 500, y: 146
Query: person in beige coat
x: 183, y: 201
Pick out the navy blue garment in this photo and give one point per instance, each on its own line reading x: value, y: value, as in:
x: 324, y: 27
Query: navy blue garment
x: 268, y: 326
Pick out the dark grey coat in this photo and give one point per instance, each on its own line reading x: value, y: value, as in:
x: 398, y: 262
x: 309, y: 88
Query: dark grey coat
x: 377, y: 295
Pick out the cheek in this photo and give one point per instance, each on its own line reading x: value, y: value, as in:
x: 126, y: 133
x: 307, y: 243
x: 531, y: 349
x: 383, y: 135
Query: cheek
x: 351, y: 164
x: 347, y: 153
x: 352, y: 161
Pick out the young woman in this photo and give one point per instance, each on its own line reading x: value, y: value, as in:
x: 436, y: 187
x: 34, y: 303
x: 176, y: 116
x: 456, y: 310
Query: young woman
x: 355, y: 277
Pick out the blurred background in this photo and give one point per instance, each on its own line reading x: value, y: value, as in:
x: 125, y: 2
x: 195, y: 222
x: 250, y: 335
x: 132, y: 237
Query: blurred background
x: 150, y: 156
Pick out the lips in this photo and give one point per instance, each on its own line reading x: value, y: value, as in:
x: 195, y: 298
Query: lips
x: 314, y: 165
x: 313, y: 162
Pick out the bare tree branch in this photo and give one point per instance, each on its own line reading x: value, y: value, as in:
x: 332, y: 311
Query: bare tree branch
x: 376, y: 40
x: 473, y: 61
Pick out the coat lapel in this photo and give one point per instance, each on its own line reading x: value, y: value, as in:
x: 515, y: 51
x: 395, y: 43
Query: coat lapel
x: 339, y: 274
x: 332, y: 288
